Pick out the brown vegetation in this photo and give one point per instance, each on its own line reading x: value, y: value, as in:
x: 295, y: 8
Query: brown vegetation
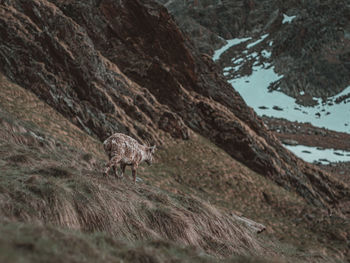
x: 45, y: 181
x: 125, y: 66
x: 184, y: 197
x: 107, y: 66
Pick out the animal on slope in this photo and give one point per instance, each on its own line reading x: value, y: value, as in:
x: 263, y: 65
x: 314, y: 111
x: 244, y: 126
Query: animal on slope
x: 124, y: 150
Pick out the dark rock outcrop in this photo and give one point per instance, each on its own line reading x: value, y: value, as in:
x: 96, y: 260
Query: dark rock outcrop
x: 125, y: 66
x: 48, y: 52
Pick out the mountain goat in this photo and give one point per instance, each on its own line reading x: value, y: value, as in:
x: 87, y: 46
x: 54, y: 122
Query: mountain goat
x: 124, y: 150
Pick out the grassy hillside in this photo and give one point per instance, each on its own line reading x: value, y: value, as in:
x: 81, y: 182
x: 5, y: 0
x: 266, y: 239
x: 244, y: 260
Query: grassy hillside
x: 200, y: 168
x: 55, y: 203
x: 28, y: 243
x: 51, y: 175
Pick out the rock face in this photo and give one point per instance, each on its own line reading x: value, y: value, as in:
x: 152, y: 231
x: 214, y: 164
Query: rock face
x: 52, y: 55
x: 124, y: 66
x: 309, y: 46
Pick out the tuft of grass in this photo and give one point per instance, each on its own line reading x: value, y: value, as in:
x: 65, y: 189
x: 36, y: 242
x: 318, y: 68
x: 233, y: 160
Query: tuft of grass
x: 61, y: 172
x: 19, y: 159
x: 33, y: 243
x: 62, y: 189
x: 24, y: 105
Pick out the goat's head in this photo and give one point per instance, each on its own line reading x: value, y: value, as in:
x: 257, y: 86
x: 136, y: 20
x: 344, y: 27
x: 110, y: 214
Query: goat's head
x: 149, y: 154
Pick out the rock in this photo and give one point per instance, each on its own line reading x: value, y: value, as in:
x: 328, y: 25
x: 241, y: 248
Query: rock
x: 305, y: 151
x: 277, y: 108
x: 275, y: 18
x: 263, y: 107
x: 33, y: 179
x: 290, y: 142
x: 254, y: 226
x: 310, y: 216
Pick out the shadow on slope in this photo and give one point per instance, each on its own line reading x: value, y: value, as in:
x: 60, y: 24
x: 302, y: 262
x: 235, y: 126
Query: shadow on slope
x: 27, y: 243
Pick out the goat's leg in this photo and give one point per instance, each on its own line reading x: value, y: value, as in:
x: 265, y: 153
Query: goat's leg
x: 113, y: 167
x: 122, y: 168
x: 108, y: 167
x: 115, y: 170
x: 133, y: 169
x: 112, y: 163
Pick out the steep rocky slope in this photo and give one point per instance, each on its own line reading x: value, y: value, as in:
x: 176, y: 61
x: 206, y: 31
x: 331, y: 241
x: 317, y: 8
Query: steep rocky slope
x: 304, y: 44
x: 51, y: 175
x: 125, y: 66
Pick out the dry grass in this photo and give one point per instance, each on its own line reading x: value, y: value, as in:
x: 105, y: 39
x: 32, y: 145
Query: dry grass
x: 33, y: 243
x: 51, y: 175
x: 122, y: 210
x: 47, y: 185
x: 199, y: 167
x: 24, y: 105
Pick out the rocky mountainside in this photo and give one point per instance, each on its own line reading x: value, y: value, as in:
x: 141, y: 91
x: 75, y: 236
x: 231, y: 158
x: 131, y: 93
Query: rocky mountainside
x: 52, y: 195
x: 309, y: 40
x: 273, y: 47
x: 54, y: 203
x: 125, y: 66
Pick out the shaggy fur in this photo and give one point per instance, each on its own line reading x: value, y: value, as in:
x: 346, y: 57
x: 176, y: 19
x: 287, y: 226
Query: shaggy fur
x: 124, y: 150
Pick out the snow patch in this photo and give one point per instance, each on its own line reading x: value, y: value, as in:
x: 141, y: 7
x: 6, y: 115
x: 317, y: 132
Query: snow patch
x: 230, y: 43
x: 255, y: 91
x: 287, y: 19
x: 237, y: 61
x: 258, y: 41
x: 266, y: 54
